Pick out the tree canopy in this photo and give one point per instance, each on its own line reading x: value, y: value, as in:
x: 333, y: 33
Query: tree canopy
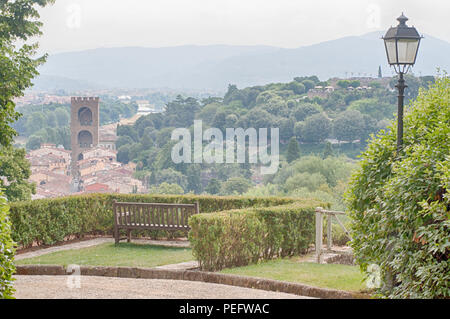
x: 400, y: 203
x: 19, y: 22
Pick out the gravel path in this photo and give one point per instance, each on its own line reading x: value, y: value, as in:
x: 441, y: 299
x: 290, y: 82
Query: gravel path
x: 56, y: 287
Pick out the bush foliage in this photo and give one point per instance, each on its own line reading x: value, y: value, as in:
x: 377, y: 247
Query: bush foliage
x: 240, y: 237
x: 6, y: 251
x: 400, y: 202
x: 47, y: 221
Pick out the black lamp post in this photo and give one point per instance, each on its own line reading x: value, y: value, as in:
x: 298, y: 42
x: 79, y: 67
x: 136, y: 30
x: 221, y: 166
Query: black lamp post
x: 402, y: 43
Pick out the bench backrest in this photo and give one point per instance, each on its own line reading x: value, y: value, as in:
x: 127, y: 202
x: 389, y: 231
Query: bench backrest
x: 153, y: 215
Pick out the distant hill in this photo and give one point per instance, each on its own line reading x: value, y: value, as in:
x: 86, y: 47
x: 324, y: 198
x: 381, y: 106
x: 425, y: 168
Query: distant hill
x: 56, y: 83
x: 215, y: 66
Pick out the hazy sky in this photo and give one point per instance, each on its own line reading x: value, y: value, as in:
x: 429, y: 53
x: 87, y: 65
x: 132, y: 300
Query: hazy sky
x: 85, y: 24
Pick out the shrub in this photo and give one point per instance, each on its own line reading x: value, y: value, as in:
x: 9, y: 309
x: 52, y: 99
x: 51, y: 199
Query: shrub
x: 48, y: 221
x: 240, y: 237
x: 6, y: 252
x: 400, y: 203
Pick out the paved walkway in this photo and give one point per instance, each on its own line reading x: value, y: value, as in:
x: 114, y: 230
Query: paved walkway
x: 95, y: 242
x: 327, y: 255
x: 57, y: 287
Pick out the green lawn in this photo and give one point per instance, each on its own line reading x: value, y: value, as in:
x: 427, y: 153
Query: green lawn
x: 138, y: 255
x: 333, y: 276
x: 124, y: 254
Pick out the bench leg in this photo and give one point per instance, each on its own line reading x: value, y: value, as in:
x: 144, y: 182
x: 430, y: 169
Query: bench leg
x: 128, y: 235
x: 116, y: 235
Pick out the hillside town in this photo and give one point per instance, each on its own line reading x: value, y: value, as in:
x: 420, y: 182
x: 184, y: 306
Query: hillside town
x: 56, y: 172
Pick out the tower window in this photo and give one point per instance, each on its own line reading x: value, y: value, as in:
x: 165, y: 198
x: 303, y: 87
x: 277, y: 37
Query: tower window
x: 85, y: 116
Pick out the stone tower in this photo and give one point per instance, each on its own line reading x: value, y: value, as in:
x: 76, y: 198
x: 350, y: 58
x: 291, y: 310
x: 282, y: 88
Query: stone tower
x: 84, y: 124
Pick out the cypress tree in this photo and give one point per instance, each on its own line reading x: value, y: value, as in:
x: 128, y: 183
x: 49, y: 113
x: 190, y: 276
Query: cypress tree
x: 293, y: 151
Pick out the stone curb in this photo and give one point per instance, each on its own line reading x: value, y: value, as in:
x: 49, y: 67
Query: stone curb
x: 189, y: 275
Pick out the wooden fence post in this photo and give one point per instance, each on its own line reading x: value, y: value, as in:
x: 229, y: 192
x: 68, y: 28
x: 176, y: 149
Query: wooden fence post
x: 329, y: 232
x: 197, y: 207
x: 319, y: 234
x: 116, y: 228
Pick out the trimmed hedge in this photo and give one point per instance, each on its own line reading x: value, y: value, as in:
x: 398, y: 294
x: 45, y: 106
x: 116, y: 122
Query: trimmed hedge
x: 47, y: 221
x: 6, y: 252
x: 240, y: 237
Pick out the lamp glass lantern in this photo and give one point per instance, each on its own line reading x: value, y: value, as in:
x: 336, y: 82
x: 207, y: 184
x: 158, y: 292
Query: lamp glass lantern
x: 402, y: 44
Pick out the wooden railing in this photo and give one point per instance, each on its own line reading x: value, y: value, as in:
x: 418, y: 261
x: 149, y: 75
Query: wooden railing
x: 320, y: 212
x: 151, y: 216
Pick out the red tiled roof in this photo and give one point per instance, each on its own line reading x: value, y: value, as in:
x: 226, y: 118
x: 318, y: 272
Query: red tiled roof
x: 97, y: 187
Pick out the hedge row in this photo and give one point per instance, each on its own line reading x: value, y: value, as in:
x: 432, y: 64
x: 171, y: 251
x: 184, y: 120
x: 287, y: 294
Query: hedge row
x: 240, y: 237
x: 6, y: 252
x: 48, y: 221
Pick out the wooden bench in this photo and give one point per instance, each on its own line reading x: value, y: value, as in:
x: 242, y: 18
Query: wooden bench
x: 151, y: 216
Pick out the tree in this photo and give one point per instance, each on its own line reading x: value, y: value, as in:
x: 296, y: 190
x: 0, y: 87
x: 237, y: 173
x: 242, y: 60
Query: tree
x: 51, y: 120
x: 348, y: 126
x: 316, y: 129
x: 164, y: 136
x: 62, y: 116
x: 127, y: 130
x: 166, y: 189
x: 19, y: 22
x: 298, y: 129
x: 343, y: 83
x: 171, y: 176
x: 399, y: 203
x: 380, y: 75
x: 63, y: 137
x: 311, y: 181
x: 208, y: 112
x: 194, y: 183
x: 220, y: 120
x: 302, y: 111
x: 308, y: 85
x: 35, y: 122
x: 231, y: 120
x: 213, y: 187
x: 15, y: 170
x: 181, y: 111
x: 293, y: 150
x: 286, y: 126
x: 374, y: 108
x: 235, y: 186
x: 123, y: 140
x: 297, y: 88
x: 34, y: 142
x: 355, y: 83
x: 328, y: 150
x: 257, y: 118
x: 123, y: 154
x: 372, y: 126
x: 232, y: 90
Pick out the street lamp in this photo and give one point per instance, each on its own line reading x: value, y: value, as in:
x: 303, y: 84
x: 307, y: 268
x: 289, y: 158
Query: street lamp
x: 402, y: 43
